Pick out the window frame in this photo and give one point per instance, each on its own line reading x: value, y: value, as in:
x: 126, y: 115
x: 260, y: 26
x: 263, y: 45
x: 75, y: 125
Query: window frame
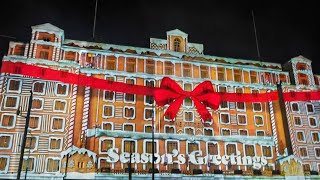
x: 294, y: 121
x: 56, y: 89
x: 307, y: 108
x: 189, y: 127
x: 221, y: 131
x: 131, y: 124
x: 7, y: 164
x: 39, y: 122
x: 208, y: 128
x: 304, y: 136
x: 44, y: 87
x: 36, y: 143
x: 53, y: 158
x: 101, y: 139
x: 303, y: 147
x: 34, y: 162
x: 111, y: 123
x: 17, y: 102
x: 261, y: 147
x: 134, y: 112
x: 243, y: 130
x: 315, y: 132
x: 254, y: 147
x: 255, y: 123
x: 56, y: 138
x: 170, y: 126
x: 145, y: 97
x: 153, y: 113
x: 315, y: 119
x: 315, y: 152
x: 14, y: 91
x: 184, y: 116
x: 10, y: 142
x: 63, y: 124
x: 220, y: 119
x: 65, y: 107
x: 245, y: 115
x: 112, y: 114
x: 291, y: 103
x: 134, y: 95
x: 13, y: 123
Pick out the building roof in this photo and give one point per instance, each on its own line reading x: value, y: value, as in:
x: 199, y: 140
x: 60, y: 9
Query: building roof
x: 177, y: 32
x: 48, y: 27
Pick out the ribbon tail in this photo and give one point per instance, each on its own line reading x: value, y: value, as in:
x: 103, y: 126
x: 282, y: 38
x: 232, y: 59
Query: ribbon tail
x: 202, y: 110
x: 174, y: 108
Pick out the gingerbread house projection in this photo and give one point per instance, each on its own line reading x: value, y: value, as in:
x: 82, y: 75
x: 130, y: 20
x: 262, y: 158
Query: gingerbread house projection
x: 80, y: 131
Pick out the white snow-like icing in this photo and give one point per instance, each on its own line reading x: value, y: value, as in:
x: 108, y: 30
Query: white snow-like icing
x: 42, y: 42
x: 281, y: 160
x: 49, y: 28
x: 158, y: 41
x: 12, y: 44
x: 183, y: 137
x: 73, y: 150
x: 198, y: 46
x: 177, y: 32
x: 300, y: 59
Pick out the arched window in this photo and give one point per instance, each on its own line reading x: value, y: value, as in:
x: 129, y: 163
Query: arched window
x: 176, y: 44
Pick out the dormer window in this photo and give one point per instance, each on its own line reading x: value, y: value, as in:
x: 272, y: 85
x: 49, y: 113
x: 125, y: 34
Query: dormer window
x: 301, y: 66
x: 176, y: 45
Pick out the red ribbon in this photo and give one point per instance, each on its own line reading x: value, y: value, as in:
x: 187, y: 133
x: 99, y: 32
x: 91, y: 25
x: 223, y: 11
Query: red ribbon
x: 202, y: 96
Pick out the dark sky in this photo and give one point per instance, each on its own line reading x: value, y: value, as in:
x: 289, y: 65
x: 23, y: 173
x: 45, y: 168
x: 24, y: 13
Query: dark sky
x: 225, y: 28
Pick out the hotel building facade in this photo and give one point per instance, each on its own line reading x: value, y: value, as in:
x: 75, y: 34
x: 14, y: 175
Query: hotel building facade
x: 83, y: 123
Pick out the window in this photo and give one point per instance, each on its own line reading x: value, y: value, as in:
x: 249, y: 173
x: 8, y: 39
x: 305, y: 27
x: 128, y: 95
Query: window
x: 108, y: 111
x: 213, y: 148
x: 187, y: 70
x: 303, y: 152
x: 170, y: 129
x: 240, y: 105
x: 57, y: 124
x: 258, y: 120
x: 257, y: 107
x: 223, y: 104
x: 150, y: 66
x: 34, y: 122
x: 171, y: 145
x: 55, y: 143
x: 224, y: 118
x: 53, y: 165
x: 62, y: 89
x: 60, y: 105
x: 315, y: 137
x: 131, y: 65
x: 301, y: 66
x: 260, y: 133
x: 148, y: 128
x: 208, y: 131
x: 128, y: 127
x: 297, y: 121
x: 148, y: 113
x: 300, y: 136
x: 187, y: 101
x: 111, y: 63
x: 237, y: 75
x: 231, y: 149
x: 129, y: 98
x: 28, y: 162
x: 14, y: 85
x: 8, y: 120
x: 189, y: 131
x: 168, y: 68
x: 148, y: 149
x: 283, y: 78
x: 38, y: 87
x: 37, y: 104
x: 188, y: 116
x: 31, y: 142
x: 176, y: 44
x: 249, y: 150
x: 109, y: 95
x: 306, y: 167
x: 104, y: 164
x: 242, y: 119
x: 221, y: 74
x: 253, y: 77
x: 310, y: 108
x: 5, y: 141
x: 11, y: 102
x: 243, y: 132
x: 107, y: 126
x: 192, y: 147
x: 149, y: 99
x: 294, y: 107
x: 129, y: 112
x: 317, y: 152
x: 225, y: 132
x: 204, y: 71
x: 267, y: 151
x: 44, y: 55
x: 312, y: 122
x: 106, y: 144
x: 4, y: 162
x: 128, y: 146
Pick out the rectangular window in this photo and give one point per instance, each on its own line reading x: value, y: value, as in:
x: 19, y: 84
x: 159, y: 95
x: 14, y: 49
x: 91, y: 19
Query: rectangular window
x: 106, y: 144
x: 223, y: 104
x: 267, y: 151
x: 253, y: 77
x: 243, y: 132
x: 5, y: 141
x: 237, y: 75
x: 242, y: 119
x: 107, y: 111
x: 150, y: 66
x: 57, y: 123
x: 317, y: 152
x: 231, y: 149
x: 111, y: 63
x: 34, y: 122
x: 168, y: 68
x: 189, y: 131
x: 300, y: 136
x: 129, y: 97
x: 192, y: 147
x: 187, y: 101
x: 224, y: 118
x: 204, y: 71
x: 37, y: 104
x: 306, y: 167
x: 221, y: 74
x: 213, y: 148
x: 3, y: 163
x: 149, y: 99
x: 129, y: 147
x: 129, y: 112
x: 258, y: 120
x: 171, y: 145
x: 31, y: 142
x: 62, y: 89
x: 11, y: 102
x: 131, y: 65
x: 310, y: 108
x: 148, y: 129
x: 315, y: 137
x: 240, y: 105
x: 188, y: 116
x: 148, y: 113
x: 38, y: 87
x: 294, y: 107
x: 249, y: 149
x: 60, y: 105
x: 169, y: 129
x: 28, y: 163
x: 104, y: 164
x: 257, y: 107
x: 107, y: 126
x: 44, y: 55
x: 14, y: 85
x: 8, y: 120
x: 312, y: 122
x: 297, y: 121
x: 128, y: 127
x: 109, y: 95
x: 186, y: 70
x: 53, y: 165
x: 303, y: 152
x: 225, y: 132
x: 55, y: 143
x: 260, y: 133
x: 208, y: 132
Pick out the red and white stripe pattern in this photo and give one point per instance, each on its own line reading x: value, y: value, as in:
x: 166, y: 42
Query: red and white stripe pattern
x: 72, y: 113
x: 273, y: 126
x: 1, y: 81
x: 291, y: 130
x: 85, y: 115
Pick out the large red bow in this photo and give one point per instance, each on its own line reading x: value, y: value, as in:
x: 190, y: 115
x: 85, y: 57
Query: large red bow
x: 202, y: 96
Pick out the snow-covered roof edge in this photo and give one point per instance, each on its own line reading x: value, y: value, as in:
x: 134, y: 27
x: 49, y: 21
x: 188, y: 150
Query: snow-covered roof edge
x: 74, y: 149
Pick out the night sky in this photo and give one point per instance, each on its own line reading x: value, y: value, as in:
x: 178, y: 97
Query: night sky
x: 225, y: 28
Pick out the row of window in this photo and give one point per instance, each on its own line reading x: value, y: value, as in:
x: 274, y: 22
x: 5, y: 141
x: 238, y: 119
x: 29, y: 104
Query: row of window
x: 52, y: 164
x: 8, y: 121
x: 170, y: 129
x: 295, y: 107
x: 59, y: 105
x: 313, y: 122
x: 300, y: 135
x: 304, y: 152
x: 38, y: 87
x: 55, y: 143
